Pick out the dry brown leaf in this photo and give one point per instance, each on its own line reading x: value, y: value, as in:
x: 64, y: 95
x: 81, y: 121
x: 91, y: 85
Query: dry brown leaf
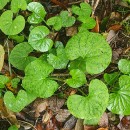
x: 102, y: 129
x: 115, y: 27
x: 2, y: 53
x: 79, y: 125
x: 51, y: 125
x: 62, y: 115
x: 111, y: 36
x: 55, y: 103
x: 39, y: 126
x: 46, y: 117
x: 125, y: 123
x: 86, y: 127
x: 104, y: 120
x: 96, y: 28
x: 7, y: 114
x: 70, y: 31
x: 116, y: 54
x: 39, y: 106
x: 69, y: 124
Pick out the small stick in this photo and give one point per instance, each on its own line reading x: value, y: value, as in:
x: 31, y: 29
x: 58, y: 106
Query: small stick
x: 27, y: 123
x: 95, y: 6
x: 7, y: 44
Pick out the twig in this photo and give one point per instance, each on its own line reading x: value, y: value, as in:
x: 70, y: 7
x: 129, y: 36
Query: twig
x: 95, y: 6
x: 7, y: 44
x: 20, y: 77
x: 62, y: 85
x: 27, y: 123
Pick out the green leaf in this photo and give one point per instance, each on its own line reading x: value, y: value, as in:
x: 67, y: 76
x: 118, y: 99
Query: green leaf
x: 93, y: 48
x: 78, y: 78
x: 38, y: 39
x: 38, y: 13
x: 83, y: 11
x: 110, y: 79
x: 88, y: 24
x: 17, y: 38
x: 14, y: 82
x: 41, y: 85
x: 28, y: 1
x: 19, y: 56
x: 13, y: 127
x: 3, y: 3
x: 124, y: 66
x: 93, y: 121
x: 16, y: 5
x: 78, y: 64
x: 2, y: 53
x: 66, y: 19
x: 16, y: 104
x: 119, y: 101
x: 56, y: 22
x: 10, y: 26
x: 60, y: 60
x: 92, y: 106
x: 3, y: 81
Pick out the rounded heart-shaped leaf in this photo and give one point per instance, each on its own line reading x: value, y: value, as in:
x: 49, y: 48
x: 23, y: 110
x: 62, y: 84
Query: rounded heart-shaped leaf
x: 38, y: 12
x: 16, y: 5
x: 37, y: 39
x: 110, y: 79
x: 92, y: 106
x: 56, y: 22
x: 3, y: 3
x: 19, y: 55
x: 93, y: 49
x: 60, y: 60
x: 41, y: 85
x: 124, y: 66
x: 10, y: 26
x: 83, y: 11
x: 119, y: 101
x: 16, y: 104
x: 66, y: 19
x: 78, y: 78
x: 2, y: 53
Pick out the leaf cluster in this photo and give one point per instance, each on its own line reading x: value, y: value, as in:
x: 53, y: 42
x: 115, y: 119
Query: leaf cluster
x: 84, y: 53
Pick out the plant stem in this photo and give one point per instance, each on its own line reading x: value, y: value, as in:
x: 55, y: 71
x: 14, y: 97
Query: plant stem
x: 58, y: 79
x: 60, y: 75
x: 81, y: 92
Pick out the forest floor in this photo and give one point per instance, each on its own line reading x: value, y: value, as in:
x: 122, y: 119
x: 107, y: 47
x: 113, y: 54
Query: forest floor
x: 113, y: 21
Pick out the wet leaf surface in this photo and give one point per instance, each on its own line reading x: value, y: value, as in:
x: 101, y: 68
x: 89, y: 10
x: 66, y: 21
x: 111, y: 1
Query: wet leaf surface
x: 10, y: 26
